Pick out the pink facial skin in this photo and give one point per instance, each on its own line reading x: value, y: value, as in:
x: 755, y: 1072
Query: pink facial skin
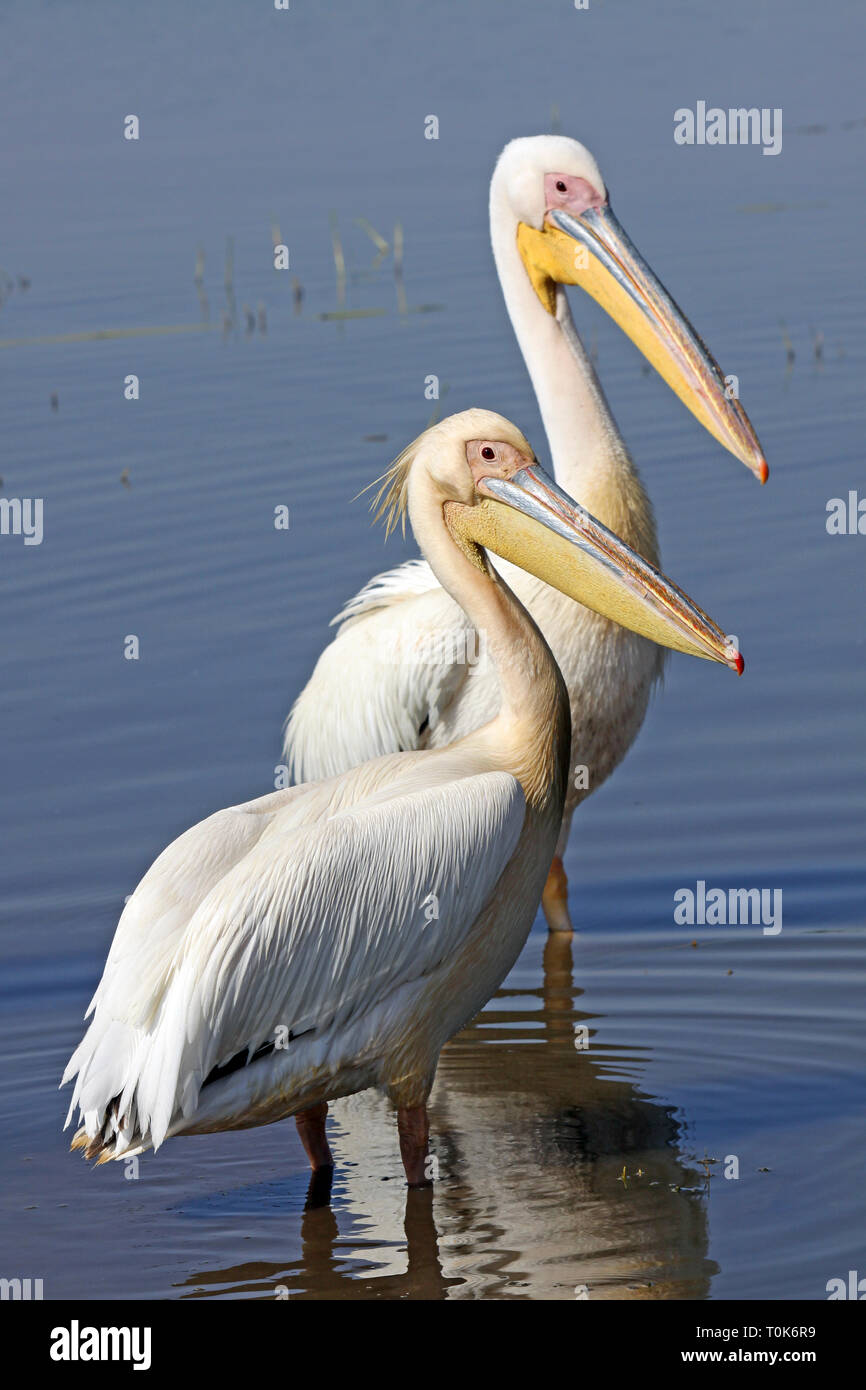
x: 491, y: 458
x: 575, y: 197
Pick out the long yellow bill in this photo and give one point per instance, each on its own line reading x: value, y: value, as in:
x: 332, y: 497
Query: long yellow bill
x: 594, y: 252
x: 529, y: 520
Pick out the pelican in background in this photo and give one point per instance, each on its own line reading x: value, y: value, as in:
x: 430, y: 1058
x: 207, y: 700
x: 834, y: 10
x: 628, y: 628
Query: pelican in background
x: 279, y: 954
x: 404, y: 670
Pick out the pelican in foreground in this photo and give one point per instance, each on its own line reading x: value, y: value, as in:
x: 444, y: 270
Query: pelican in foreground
x: 405, y: 669
x: 284, y: 952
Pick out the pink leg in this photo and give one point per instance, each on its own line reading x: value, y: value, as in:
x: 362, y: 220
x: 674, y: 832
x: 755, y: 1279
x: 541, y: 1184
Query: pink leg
x: 311, y: 1131
x: 554, y: 899
x: 414, y: 1131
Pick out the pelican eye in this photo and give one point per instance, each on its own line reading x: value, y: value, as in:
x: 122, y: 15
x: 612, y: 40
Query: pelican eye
x: 560, y: 186
x: 487, y: 452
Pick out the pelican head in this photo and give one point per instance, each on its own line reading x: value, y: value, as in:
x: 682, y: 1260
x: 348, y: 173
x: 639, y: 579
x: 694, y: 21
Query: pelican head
x: 567, y: 234
x: 480, y: 474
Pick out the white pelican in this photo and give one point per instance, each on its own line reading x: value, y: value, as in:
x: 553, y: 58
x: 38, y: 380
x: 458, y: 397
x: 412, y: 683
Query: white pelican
x: 283, y: 952
x: 397, y: 675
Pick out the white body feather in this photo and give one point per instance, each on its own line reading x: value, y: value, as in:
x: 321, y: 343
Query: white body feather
x: 215, y: 952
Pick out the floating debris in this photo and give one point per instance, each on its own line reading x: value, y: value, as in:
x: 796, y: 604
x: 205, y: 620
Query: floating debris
x: 377, y: 239
x: 297, y: 293
x: 352, y: 314
x: 250, y: 319
x: 124, y: 478
x: 339, y: 258
x: 97, y: 333
x: 198, y: 277
x: 402, y: 304
x: 229, y: 284
x: 55, y: 401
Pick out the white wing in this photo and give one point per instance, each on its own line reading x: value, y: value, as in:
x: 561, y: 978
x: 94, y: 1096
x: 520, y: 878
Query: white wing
x: 396, y: 665
x: 156, y: 914
x: 313, y: 926
x: 404, y: 581
x: 147, y: 937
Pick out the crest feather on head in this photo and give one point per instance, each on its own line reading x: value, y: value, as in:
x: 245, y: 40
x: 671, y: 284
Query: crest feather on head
x: 392, y: 494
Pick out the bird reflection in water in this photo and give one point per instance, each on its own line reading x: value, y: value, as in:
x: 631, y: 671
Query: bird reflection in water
x: 532, y: 1136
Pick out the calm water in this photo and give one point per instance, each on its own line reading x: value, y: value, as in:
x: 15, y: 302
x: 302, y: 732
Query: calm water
x: 558, y: 1167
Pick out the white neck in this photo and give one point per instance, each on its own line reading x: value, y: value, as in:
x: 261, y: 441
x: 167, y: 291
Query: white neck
x: 581, y: 433
x: 532, y: 729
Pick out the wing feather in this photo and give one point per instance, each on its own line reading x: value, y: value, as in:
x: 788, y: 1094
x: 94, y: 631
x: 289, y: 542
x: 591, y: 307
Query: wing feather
x: 311, y: 928
x: 399, y: 660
